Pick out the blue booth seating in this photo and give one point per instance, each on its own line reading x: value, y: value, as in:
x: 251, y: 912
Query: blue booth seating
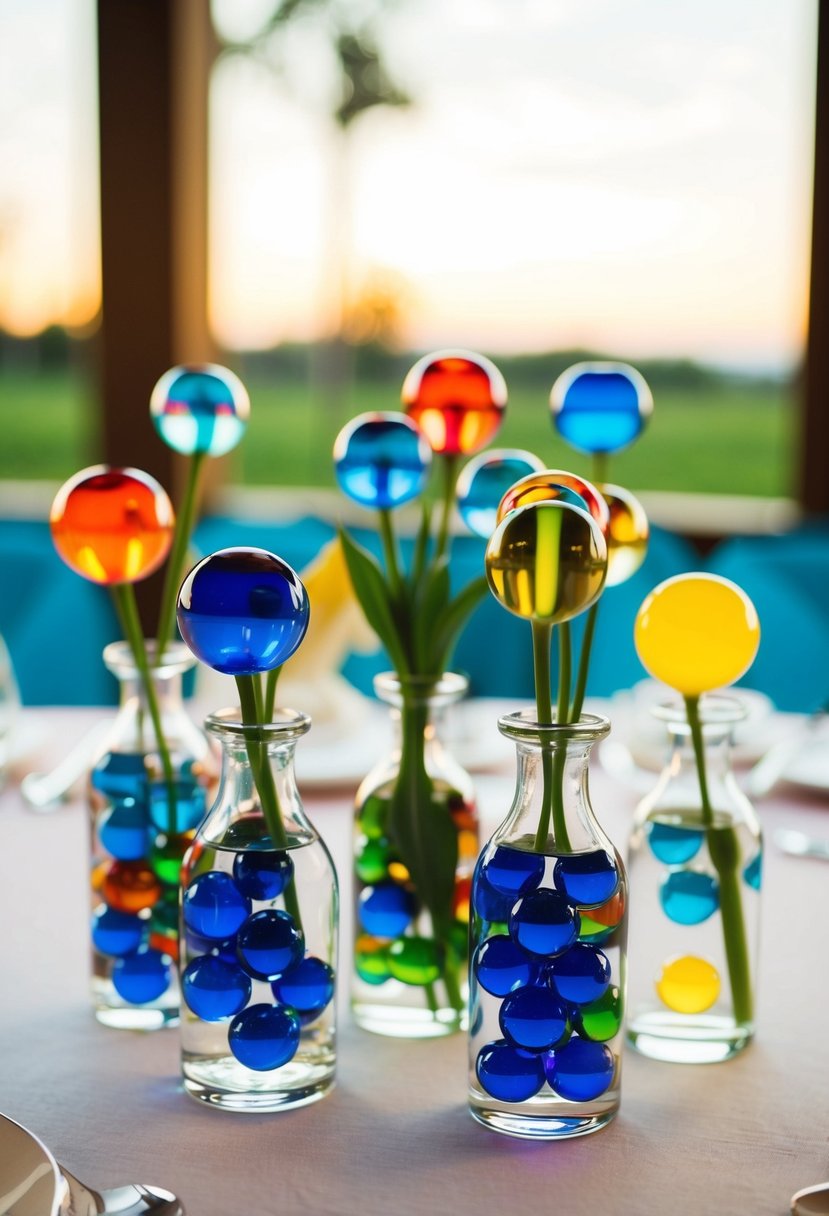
x: 56, y: 623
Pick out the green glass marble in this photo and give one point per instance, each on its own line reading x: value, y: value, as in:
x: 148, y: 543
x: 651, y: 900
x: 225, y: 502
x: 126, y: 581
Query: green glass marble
x: 601, y: 1020
x: 165, y: 857
x: 415, y: 960
x: 373, y: 856
x: 371, y: 960
x: 164, y: 917
x: 373, y: 814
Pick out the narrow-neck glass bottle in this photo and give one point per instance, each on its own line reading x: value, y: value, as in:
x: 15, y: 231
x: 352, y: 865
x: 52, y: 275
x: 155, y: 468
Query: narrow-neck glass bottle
x: 547, y: 967
x: 259, y: 920
x: 695, y: 907
x: 141, y: 825
x: 415, y: 844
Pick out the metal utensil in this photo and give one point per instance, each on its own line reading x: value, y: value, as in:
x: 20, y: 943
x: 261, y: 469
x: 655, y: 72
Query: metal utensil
x: 132, y: 1200
x: 798, y: 844
x: 811, y: 1201
x: 45, y: 791
x: 770, y: 768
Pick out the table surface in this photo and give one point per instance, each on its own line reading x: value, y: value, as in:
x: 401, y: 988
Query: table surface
x: 395, y: 1135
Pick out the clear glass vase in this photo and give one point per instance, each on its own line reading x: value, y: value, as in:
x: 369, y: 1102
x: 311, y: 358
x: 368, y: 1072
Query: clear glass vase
x: 695, y: 910
x: 141, y: 825
x: 259, y: 932
x: 416, y: 840
x: 548, y: 936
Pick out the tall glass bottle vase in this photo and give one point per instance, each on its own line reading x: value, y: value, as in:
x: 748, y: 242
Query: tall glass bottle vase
x: 141, y: 825
x: 259, y: 932
x: 547, y: 973
x: 416, y: 840
x: 695, y: 909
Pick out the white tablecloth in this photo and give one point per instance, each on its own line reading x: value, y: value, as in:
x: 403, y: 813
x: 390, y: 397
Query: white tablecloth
x: 395, y: 1136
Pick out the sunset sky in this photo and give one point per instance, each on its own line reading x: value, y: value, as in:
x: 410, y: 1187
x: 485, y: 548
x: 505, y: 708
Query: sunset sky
x: 626, y: 174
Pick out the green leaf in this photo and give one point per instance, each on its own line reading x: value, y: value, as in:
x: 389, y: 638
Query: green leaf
x: 371, y: 591
x: 430, y: 605
x: 454, y: 619
x: 421, y: 544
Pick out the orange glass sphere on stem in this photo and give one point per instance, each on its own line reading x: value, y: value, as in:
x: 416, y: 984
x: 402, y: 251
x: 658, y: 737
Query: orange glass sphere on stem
x: 547, y: 486
x: 458, y: 400
x: 112, y: 525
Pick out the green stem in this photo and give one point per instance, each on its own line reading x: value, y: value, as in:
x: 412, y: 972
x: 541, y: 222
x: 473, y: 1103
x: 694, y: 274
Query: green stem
x: 542, y: 634
x: 390, y: 553
x: 565, y: 666
x: 431, y: 997
x: 178, y: 553
x: 450, y: 464
x: 127, y: 609
x: 257, y: 749
x: 450, y: 980
x: 584, y: 661
x: 270, y: 692
x: 599, y: 470
x: 724, y: 851
x: 259, y: 699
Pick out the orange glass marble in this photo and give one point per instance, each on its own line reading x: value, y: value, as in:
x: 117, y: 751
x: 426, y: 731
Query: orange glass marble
x: 547, y: 486
x: 131, y: 886
x: 457, y: 399
x: 627, y: 534
x: 112, y: 525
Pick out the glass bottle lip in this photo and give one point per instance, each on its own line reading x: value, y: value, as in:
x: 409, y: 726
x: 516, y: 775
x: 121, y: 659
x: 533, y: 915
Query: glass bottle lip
x: 522, y: 727
x: 119, y: 659
x: 286, y: 726
x: 717, y: 712
x: 444, y: 689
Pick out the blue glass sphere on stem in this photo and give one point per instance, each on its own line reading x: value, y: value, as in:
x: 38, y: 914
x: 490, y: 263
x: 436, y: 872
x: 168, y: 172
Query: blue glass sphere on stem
x: 382, y: 460
x: 600, y: 407
x: 243, y: 611
x: 485, y: 480
x: 201, y: 409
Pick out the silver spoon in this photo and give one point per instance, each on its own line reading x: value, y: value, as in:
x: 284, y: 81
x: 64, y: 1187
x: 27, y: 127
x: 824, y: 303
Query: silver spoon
x: 45, y: 791
x: 80, y: 1200
x: 798, y: 844
x: 811, y: 1201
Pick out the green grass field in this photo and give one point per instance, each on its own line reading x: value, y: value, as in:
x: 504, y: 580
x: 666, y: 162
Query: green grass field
x: 729, y: 440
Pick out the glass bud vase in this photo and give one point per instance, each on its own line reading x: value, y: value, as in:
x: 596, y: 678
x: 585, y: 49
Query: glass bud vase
x: 416, y: 840
x: 139, y: 835
x: 547, y: 972
x: 695, y: 877
x: 259, y: 920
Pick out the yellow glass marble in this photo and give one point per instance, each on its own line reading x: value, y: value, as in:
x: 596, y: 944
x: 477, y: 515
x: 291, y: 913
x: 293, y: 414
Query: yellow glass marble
x: 547, y: 562
x: 627, y: 534
x: 697, y: 632
x: 688, y: 984
x: 550, y: 485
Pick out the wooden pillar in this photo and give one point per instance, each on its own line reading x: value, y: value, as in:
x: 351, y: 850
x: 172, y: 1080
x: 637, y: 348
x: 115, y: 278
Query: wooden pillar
x: 814, y: 448
x: 154, y: 60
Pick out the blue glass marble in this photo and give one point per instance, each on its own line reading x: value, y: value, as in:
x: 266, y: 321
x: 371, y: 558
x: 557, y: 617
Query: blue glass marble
x: 674, y: 845
x: 382, y: 460
x: 600, y: 407
x: 753, y: 872
x: 122, y: 830
x: 508, y: 1073
x: 213, y: 906
x: 215, y: 989
x: 544, y: 923
x: 386, y: 910
x: 121, y: 775
x: 268, y: 943
x: 499, y: 965
x: 242, y: 611
x: 485, y: 480
x: 200, y: 409
x: 225, y: 950
x: 581, y: 975
x: 263, y: 1037
x: 533, y: 1019
x: 116, y: 933
x: 689, y: 897
x: 581, y: 1070
x: 262, y: 875
x: 308, y: 987
x: 141, y: 977
x: 512, y: 872
x: 587, y: 878
x: 190, y: 805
